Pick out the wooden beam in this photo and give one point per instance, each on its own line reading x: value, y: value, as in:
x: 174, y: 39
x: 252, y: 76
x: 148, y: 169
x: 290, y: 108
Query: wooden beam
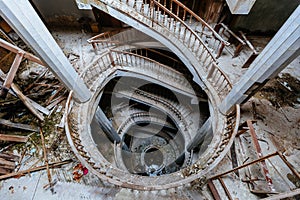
x: 16, y: 49
x: 11, y: 157
x: 4, y: 171
x: 19, y: 125
x: 13, y: 138
x: 7, y: 163
x: 11, y: 74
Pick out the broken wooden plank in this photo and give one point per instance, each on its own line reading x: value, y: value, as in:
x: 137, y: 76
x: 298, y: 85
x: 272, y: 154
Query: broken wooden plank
x: 46, y: 158
x: 39, y: 107
x: 10, y: 157
x: 234, y: 158
x: 19, y: 125
x: 26, y: 102
x: 23, y: 98
x: 16, y: 49
x: 55, y: 93
x: 11, y: 74
x: 36, y: 80
x: 56, y: 101
x: 23, y: 172
x: 248, y: 42
x: 7, y: 163
x: 13, y: 138
x: 4, y: 171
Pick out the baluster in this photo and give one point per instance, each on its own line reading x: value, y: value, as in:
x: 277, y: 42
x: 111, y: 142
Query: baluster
x: 177, y: 12
x: 131, y: 3
x: 203, y: 51
x: 177, y: 29
x: 193, y: 45
x: 162, y: 19
x: 192, y: 38
x: 139, y: 4
x: 211, y: 71
x: 159, y: 16
x: 184, y: 34
x: 171, y: 27
x: 191, y: 17
x: 207, y: 56
x: 152, y: 10
x: 220, y: 50
x: 146, y: 9
x: 171, y: 5
x: 166, y: 21
x: 218, y: 79
x: 184, y: 15
x: 222, y: 85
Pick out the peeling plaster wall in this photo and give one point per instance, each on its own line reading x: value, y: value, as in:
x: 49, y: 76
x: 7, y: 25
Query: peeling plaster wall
x: 61, y: 12
x: 266, y: 16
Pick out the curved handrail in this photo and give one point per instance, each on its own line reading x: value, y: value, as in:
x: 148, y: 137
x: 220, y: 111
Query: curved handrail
x: 143, y: 57
x: 211, y: 75
x: 198, y: 18
x: 160, y: 6
x: 102, y: 37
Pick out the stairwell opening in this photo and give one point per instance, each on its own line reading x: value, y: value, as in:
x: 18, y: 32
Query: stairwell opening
x: 155, y: 125
x: 139, y: 104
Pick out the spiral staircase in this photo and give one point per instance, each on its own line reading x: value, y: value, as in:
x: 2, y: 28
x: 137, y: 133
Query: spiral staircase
x: 153, y: 121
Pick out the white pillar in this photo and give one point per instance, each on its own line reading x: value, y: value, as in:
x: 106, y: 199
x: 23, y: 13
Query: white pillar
x: 21, y: 16
x: 280, y: 51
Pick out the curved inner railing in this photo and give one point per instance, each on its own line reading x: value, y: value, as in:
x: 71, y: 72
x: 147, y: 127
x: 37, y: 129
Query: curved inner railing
x: 114, y: 58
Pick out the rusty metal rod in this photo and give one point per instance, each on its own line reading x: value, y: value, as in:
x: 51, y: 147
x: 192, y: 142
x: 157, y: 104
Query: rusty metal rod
x: 245, y: 165
x: 21, y: 173
x: 260, y: 155
x: 289, y: 165
x: 213, y: 190
x: 225, y: 188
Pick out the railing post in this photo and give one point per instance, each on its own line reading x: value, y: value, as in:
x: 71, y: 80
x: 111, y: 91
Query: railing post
x: 111, y: 58
x: 220, y: 50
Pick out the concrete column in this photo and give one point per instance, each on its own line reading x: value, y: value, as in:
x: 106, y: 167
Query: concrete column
x: 280, y: 51
x: 206, y: 129
x: 21, y: 16
x: 106, y: 126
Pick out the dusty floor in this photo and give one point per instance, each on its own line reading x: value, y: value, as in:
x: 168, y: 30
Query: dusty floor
x: 276, y: 108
